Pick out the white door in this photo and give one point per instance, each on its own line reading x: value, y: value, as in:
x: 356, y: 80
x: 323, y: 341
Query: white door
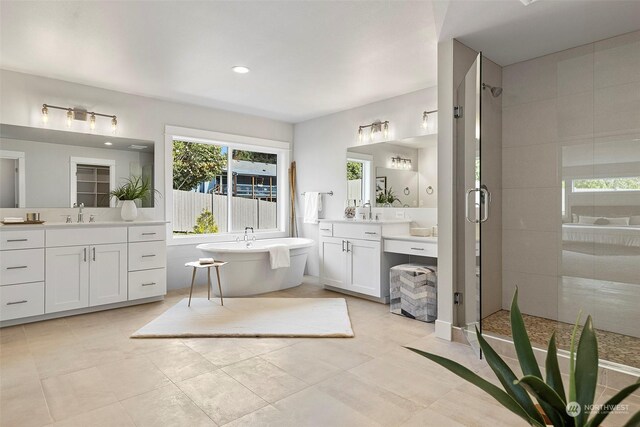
x: 363, y: 267
x: 67, y: 278
x: 108, y: 274
x: 333, y: 262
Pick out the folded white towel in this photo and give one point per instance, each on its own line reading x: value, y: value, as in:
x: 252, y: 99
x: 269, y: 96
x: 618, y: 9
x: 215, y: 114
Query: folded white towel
x: 13, y: 219
x: 312, y: 207
x: 279, y: 256
x: 206, y: 260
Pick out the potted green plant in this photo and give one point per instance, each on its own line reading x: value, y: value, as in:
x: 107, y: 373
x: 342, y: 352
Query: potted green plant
x: 133, y: 189
x: 555, y: 407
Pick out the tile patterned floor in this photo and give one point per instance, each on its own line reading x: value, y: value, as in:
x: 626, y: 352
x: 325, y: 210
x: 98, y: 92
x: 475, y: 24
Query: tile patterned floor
x: 613, y: 347
x: 85, y: 371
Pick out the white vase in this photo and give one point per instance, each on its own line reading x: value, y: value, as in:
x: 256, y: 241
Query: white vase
x: 129, y: 211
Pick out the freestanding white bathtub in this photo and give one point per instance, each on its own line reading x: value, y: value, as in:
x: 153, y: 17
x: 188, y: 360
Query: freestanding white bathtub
x: 249, y: 272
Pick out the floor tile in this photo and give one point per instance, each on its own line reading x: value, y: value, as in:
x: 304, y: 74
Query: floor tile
x: 132, y: 376
x: 180, y: 362
x: 264, y: 379
x: 112, y: 415
x: 221, y: 397
x: 75, y: 393
x: 167, y: 406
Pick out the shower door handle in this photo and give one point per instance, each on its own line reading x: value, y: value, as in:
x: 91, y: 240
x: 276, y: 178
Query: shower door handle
x: 485, y: 200
x: 466, y: 206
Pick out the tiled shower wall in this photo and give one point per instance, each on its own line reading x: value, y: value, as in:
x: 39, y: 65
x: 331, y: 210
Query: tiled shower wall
x: 569, y: 115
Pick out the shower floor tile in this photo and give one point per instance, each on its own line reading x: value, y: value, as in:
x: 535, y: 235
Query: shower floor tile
x: 613, y: 347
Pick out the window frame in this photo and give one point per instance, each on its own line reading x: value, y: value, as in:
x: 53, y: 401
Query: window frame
x: 368, y: 185
x: 232, y: 142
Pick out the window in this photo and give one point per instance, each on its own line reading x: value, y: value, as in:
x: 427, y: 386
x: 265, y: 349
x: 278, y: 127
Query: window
x: 219, y: 188
x: 358, y: 178
x: 607, y: 184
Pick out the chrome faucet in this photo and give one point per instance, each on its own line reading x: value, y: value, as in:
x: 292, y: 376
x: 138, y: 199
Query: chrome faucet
x: 370, y: 213
x: 246, y: 236
x: 80, y: 213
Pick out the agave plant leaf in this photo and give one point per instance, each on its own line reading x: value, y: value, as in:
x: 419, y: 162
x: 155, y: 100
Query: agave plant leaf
x: 634, y: 421
x: 586, y: 374
x: 572, y: 360
x: 494, y: 391
x: 521, y: 342
x: 553, y: 376
x: 546, y: 395
x: 616, y: 399
x: 508, y: 379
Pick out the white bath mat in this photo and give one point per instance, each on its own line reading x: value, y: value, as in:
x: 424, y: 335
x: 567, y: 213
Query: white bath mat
x: 252, y: 317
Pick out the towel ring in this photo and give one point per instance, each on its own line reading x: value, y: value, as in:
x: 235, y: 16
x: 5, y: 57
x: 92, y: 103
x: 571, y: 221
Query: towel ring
x: 429, y: 190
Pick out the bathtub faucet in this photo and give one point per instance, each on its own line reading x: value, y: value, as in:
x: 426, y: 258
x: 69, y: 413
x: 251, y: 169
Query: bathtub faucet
x: 246, y: 235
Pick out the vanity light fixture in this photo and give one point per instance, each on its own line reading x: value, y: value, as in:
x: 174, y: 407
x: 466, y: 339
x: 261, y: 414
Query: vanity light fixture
x: 78, y: 114
x: 375, y: 128
x: 398, y: 162
x: 425, y: 118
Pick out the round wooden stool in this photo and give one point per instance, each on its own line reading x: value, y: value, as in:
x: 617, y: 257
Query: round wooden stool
x: 196, y: 265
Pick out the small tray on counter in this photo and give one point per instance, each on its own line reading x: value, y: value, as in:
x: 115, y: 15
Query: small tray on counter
x: 22, y: 223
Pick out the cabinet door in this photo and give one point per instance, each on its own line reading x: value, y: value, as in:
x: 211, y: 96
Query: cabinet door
x: 333, y: 262
x: 363, y: 267
x: 67, y: 278
x: 108, y: 274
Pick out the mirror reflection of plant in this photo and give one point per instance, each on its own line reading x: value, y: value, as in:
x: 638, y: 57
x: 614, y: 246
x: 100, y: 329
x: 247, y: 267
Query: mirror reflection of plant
x: 555, y: 406
x: 354, y: 171
x: 386, y: 197
x: 134, y: 188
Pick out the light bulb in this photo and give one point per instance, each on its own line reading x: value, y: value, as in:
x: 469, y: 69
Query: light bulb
x: 385, y: 130
x: 69, y: 117
x: 360, y: 134
x: 409, y: 164
x: 393, y: 162
x: 92, y: 122
x: 45, y: 114
x: 114, y: 124
x: 425, y: 120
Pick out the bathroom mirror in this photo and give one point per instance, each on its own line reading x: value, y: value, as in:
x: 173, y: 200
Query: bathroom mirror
x: 397, y: 174
x: 44, y: 168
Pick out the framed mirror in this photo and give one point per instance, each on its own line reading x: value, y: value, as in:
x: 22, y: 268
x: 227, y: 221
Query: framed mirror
x: 398, y: 174
x: 43, y: 168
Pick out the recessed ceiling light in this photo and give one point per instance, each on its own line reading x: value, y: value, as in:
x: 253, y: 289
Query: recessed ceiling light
x: 108, y: 143
x: 240, y: 69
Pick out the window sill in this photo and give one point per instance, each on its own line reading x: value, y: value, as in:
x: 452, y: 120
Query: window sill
x: 226, y: 237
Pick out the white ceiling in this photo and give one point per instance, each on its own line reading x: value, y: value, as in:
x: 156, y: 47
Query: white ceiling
x: 307, y: 58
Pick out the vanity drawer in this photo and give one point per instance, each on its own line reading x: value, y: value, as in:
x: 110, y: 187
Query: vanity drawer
x: 21, y: 266
x: 23, y: 300
x: 147, y: 233
x: 147, y: 255
x: 147, y: 283
x: 88, y: 235
x: 357, y: 231
x: 326, y: 229
x: 21, y: 239
x: 411, y: 248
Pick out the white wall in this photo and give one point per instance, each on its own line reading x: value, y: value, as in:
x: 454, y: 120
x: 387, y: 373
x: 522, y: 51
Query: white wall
x: 138, y: 117
x: 320, y: 152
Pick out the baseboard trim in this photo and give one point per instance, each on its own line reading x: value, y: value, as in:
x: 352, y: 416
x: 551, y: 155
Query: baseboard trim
x: 444, y: 330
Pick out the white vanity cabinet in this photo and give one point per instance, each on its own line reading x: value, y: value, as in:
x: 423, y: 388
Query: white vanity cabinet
x: 351, y: 256
x: 52, y: 269
x: 21, y: 274
x: 85, y: 275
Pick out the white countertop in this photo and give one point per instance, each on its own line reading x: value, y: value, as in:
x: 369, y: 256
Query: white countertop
x: 409, y: 238
x: 373, y: 221
x: 52, y: 224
